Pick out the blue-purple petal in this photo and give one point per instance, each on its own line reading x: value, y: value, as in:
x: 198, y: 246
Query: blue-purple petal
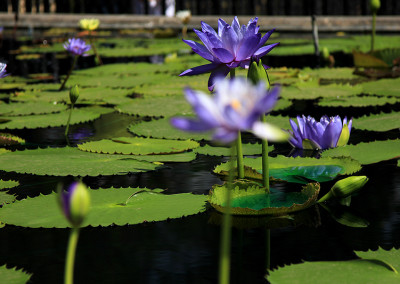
x: 225, y: 56
x: 247, y: 47
x: 265, y: 49
x: 220, y: 72
x: 199, y: 69
x: 187, y: 124
x: 199, y: 49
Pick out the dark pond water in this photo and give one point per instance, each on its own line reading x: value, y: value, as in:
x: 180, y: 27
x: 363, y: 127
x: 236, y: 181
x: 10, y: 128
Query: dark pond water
x: 186, y: 250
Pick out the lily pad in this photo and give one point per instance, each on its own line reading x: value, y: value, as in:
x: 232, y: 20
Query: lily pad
x: 138, y: 146
x: 371, y: 269
x: 70, y: 161
x: 6, y: 198
x: 16, y: 109
x: 13, y: 275
x: 357, y: 101
x: 383, y: 87
x: 157, y: 107
x: 248, y: 149
x: 378, y: 122
x: 50, y: 120
x: 330, y: 73
x: 303, y: 174
x: 390, y: 257
x: 249, y: 198
x: 174, y: 158
x: 282, y: 166
x: 119, y: 206
x: 8, y: 139
x: 367, y: 153
x: 8, y: 184
x: 162, y: 128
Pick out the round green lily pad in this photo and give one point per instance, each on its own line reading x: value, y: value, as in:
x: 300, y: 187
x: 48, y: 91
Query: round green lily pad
x: 70, y: 161
x: 356, y: 101
x: 381, y: 87
x: 162, y: 128
x: 378, y: 122
x: 119, y: 206
x: 156, y: 107
x: 248, y: 198
x: 16, y: 109
x: 13, y: 275
x: 138, y: 146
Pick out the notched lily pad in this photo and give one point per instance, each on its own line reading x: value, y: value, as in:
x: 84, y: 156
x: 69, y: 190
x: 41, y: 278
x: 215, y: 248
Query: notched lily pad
x: 378, y: 122
x: 248, y: 149
x: 8, y: 184
x: 13, y: 275
x: 9, y: 139
x: 138, y: 146
x: 119, y: 206
x: 30, y: 108
x: 248, y: 198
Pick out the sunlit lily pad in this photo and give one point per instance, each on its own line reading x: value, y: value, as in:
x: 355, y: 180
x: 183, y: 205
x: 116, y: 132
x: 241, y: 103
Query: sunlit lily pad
x: 157, y: 107
x: 162, y: 128
x: 330, y: 73
x: 357, y: 101
x: 249, y: 198
x: 8, y: 139
x: 378, y: 122
x: 367, y: 153
x: 15, y: 109
x: 373, y: 268
x: 13, y: 276
x: 308, y: 168
x: 119, y: 206
x: 8, y: 183
x: 138, y: 146
x: 50, y: 120
x: 70, y: 161
x: 383, y: 87
x: 248, y: 149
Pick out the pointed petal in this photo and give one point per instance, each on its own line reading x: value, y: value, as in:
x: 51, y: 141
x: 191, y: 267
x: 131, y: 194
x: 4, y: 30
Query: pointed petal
x: 331, y: 135
x: 221, y: 25
x: 220, y: 72
x: 199, y: 49
x: 269, y: 132
x: 203, y: 37
x: 247, y: 47
x: 265, y: 49
x: 223, y: 55
x: 199, y: 69
x: 207, y: 28
x: 265, y: 38
x: 229, y: 39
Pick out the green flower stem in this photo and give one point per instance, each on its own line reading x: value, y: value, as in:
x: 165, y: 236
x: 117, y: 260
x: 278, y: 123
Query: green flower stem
x: 69, y: 120
x: 240, y: 166
x: 265, y: 167
x: 225, y: 245
x: 70, y: 257
x: 373, y: 31
x: 94, y: 49
x: 69, y: 72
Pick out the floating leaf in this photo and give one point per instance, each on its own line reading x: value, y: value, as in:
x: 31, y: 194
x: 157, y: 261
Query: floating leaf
x: 383, y: 87
x: 156, y: 107
x: 348, y: 166
x: 248, y: 149
x: 13, y: 276
x: 330, y: 73
x: 14, y: 109
x: 138, y: 146
x: 8, y: 183
x: 119, y: 206
x: 162, y: 128
x: 374, y: 270
x: 303, y: 174
x: 50, y: 120
x: 378, y: 122
x: 6, y: 198
x: 367, y: 153
x: 70, y: 161
x: 356, y: 101
x: 249, y: 198
x: 181, y: 157
x: 8, y: 139
x: 390, y: 257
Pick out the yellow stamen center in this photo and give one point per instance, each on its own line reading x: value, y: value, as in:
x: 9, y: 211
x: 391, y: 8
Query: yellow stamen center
x: 236, y: 104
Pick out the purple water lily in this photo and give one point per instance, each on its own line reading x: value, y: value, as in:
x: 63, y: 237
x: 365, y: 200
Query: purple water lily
x: 77, y: 46
x: 231, y: 47
x: 237, y: 105
x: 75, y: 203
x: 329, y: 132
x: 3, y: 70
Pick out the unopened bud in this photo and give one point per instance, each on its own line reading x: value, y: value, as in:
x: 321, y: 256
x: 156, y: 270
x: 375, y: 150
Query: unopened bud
x: 74, y: 94
x: 75, y: 203
x: 346, y: 187
x: 375, y: 5
x: 257, y: 73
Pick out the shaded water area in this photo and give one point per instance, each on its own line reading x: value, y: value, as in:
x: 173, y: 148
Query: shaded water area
x: 186, y: 250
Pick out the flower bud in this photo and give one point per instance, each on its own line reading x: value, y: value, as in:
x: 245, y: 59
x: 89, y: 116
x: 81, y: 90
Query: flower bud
x: 346, y: 187
x: 375, y: 5
x: 344, y: 136
x: 325, y: 53
x: 257, y: 73
x: 74, y: 94
x: 75, y: 203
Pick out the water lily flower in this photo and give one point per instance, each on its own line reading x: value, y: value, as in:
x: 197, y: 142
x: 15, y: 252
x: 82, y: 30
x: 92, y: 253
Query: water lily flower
x: 231, y: 47
x: 89, y: 24
x: 77, y: 46
x: 329, y: 132
x: 237, y: 105
x: 3, y: 70
x: 75, y: 203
